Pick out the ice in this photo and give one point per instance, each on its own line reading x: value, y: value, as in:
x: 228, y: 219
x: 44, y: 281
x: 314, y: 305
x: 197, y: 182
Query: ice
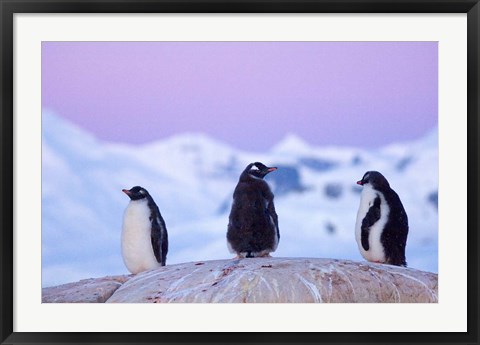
x: 192, y: 177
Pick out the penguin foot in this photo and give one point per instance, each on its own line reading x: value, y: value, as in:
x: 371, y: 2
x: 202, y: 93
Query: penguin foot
x: 263, y: 254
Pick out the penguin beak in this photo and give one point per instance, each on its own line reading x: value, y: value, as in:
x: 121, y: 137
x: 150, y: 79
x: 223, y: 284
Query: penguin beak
x: 126, y: 191
x: 272, y: 169
x: 360, y: 183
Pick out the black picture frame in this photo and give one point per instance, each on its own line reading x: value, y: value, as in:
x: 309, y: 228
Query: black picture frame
x: 10, y: 7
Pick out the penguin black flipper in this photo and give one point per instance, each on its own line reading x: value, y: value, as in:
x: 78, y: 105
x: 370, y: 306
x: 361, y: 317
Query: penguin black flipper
x: 395, y: 233
x: 273, y: 215
x: 164, y: 247
x: 159, y: 235
x: 372, y: 216
x: 159, y: 239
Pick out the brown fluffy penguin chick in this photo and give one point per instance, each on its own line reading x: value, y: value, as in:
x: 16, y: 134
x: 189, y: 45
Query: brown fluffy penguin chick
x: 253, y: 223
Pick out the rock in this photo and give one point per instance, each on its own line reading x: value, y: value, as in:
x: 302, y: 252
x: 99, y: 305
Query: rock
x: 265, y: 280
x: 279, y: 280
x: 95, y: 290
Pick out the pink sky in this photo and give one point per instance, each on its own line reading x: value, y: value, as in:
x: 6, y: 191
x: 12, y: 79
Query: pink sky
x: 248, y: 94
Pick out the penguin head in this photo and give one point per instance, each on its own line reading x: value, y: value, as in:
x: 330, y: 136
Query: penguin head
x: 259, y: 170
x: 136, y: 193
x: 375, y: 179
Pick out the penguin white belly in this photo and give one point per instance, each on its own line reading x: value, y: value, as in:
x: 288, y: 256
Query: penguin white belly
x: 137, y: 251
x: 376, y: 252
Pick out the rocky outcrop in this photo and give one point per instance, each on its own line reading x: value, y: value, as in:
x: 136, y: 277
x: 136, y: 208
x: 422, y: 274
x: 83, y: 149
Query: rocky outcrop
x: 97, y: 290
x: 264, y: 280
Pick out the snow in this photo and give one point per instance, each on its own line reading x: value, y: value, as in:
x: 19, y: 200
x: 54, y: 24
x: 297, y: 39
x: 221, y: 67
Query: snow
x: 192, y: 177
x: 292, y: 144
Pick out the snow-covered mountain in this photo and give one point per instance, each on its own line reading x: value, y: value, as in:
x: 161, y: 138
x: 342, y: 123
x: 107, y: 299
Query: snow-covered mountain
x: 192, y: 177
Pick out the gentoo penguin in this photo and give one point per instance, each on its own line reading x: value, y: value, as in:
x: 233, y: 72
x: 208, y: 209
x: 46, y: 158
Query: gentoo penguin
x: 253, y: 222
x: 144, y: 234
x: 382, y: 225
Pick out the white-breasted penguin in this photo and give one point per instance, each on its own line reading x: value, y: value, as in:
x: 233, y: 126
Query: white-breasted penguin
x: 382, y: 225
x: 253, y: 223
x: 144, y: 234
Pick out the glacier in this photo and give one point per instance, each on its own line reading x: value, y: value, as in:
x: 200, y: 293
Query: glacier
x: 192, y: 177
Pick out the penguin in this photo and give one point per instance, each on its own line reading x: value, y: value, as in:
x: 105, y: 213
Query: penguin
x: 144, y: 234
x: 381, y: 228
x: 253, y: 222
